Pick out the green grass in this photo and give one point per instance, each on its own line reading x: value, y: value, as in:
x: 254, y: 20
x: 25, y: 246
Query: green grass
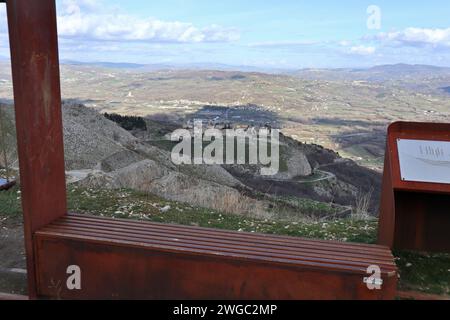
x: 429, y: 273
x: 368, y: 160
x: 424, y: 272
x: 10, y: 206
x: 137, y: 205
x: 305, y: 207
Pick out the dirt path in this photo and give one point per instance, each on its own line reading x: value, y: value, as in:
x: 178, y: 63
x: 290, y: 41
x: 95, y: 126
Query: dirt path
x: 325, y: 175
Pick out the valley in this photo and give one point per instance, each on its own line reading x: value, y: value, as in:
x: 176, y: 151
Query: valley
x: 341, y: 110
x: 333, y: 125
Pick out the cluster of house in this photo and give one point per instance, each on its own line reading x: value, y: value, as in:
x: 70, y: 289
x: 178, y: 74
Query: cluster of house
x: 224, y: 125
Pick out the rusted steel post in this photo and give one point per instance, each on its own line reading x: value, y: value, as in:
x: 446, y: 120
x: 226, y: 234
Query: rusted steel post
x: 37, y: 97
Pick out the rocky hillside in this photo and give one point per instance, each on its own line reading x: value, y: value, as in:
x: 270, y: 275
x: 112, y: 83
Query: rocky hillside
x: 312, y: 182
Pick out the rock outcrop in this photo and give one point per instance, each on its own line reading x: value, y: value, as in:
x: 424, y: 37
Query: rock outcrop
x: 152, y: 177
x: 101, y: 154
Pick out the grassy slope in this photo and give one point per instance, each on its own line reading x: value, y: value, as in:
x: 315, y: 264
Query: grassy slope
x: 428, y: 273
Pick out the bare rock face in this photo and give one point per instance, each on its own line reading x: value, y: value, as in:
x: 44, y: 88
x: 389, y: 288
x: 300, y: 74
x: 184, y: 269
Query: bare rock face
x: 89, y: 137
x: 213, y: 173
x: 96, y: 123
x: 297, y: 166
x: 142, y: 176
x: 98, y: 179
x: 150, y: 176
x: 120, y: 160
x: 83, y: 148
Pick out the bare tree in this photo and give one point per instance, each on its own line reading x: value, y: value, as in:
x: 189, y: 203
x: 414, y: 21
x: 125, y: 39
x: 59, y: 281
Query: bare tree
x: 362, y: 204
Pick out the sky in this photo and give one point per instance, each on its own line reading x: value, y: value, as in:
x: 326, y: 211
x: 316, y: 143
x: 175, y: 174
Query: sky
x: 283, y: 34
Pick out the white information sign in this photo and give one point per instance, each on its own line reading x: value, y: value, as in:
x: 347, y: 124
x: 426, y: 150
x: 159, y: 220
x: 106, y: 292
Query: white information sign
x: 424, y: 160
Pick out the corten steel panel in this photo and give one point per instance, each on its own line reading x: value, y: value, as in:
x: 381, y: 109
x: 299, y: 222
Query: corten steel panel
x: 386, y: 223
x: 37, y: 97
x: 132, y: 260
x: 422, y: 221
x: 413, y: 215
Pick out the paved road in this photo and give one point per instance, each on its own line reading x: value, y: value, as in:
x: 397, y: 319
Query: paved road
x: 325, y: 175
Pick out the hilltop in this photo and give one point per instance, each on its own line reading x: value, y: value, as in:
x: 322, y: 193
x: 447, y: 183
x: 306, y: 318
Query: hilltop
x: 313, y: 182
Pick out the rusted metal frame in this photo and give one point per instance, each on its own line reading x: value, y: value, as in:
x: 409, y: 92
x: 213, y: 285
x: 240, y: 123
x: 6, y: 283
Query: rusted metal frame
x: 411, y: 210
x: 143, y: 260
x: 37, y: 96
x: 136, y: 272
x: 34, y: 53
x: 387, y: 206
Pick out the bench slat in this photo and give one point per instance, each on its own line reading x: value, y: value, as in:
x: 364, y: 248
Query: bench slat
x: 144, y: 225
x: 340, y: 257
x: 187, y: 238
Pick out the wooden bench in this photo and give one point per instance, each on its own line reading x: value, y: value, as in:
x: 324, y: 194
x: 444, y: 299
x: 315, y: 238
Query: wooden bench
x: 142, y: 260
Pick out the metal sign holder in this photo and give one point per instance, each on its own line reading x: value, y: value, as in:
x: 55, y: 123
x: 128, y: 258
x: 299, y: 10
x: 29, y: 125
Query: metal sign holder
x: 415, y: 215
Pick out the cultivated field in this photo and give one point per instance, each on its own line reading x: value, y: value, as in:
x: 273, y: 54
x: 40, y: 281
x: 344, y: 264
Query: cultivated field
x: 330, y: 108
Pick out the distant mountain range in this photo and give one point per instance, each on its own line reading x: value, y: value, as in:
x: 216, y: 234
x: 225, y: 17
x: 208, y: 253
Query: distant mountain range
x: 422, y: 78
x: 388, y: 68
x: 113, y: 65
x: 175, y: 66
x: 402, y: 67
x: 419, y: 78
x: 377, y: 73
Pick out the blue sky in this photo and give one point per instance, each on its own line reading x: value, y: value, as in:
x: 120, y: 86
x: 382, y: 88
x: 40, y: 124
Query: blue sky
x: 274, y: 34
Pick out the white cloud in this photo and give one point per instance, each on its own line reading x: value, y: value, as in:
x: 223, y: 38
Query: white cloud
x: 344, y: 43
x: 283, y: 43
x: 418, y: 37
x: 87, y: 19
x: 362, y: 50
